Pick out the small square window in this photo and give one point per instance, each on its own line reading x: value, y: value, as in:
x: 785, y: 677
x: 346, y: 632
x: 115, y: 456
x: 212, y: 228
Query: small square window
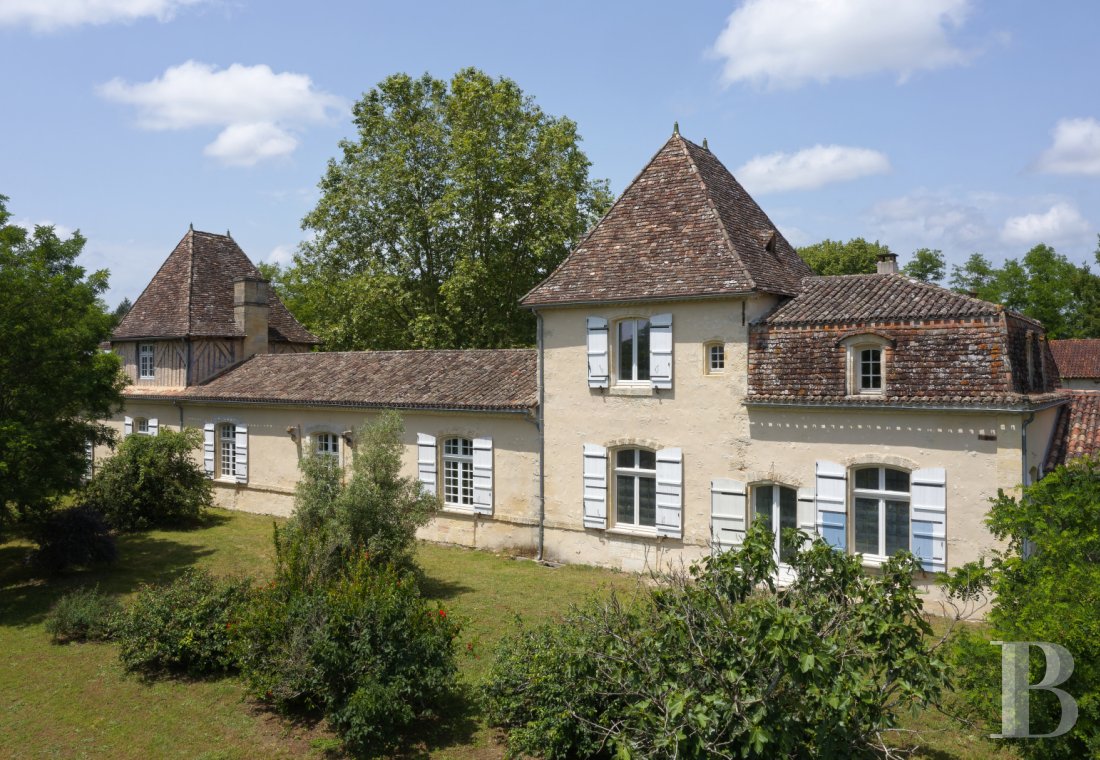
x: 142, y: 426
x: 716, y: 358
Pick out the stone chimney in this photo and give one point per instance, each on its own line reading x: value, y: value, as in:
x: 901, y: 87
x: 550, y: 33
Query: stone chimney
x: 887, y: 263
x: 250, y: 313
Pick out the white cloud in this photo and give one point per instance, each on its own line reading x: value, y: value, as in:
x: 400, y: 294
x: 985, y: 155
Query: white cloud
x: 1076, y: 149
x: 283, y: 255
x: 257, y: 109
x: 48, y: 15
x: 786, y: 43
x: 1062, y: 223
x: 810, y: 168
x: 931, y: 219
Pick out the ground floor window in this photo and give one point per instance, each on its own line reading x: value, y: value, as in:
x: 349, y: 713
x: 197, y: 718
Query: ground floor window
x: 227, y: 450
x: 777, y: 508
x: 636, y: 488
x: 880, y: 520
x: 327, y: 445
x: 141, y: 425
x: 458, y: 473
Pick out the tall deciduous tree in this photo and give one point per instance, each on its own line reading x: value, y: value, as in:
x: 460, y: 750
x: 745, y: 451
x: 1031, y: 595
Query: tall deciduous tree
x: 453, y: 201
x: 55, y: 383
x: 927, y: 265
x: 829, y: 257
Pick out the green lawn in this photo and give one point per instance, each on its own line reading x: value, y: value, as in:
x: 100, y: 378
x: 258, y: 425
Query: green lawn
x: 76, y: 701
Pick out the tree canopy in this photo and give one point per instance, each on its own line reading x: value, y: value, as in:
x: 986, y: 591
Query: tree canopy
x: 55, y: 383
x: 927, y: 265
x: 453, y: 201
x: 830, y: 257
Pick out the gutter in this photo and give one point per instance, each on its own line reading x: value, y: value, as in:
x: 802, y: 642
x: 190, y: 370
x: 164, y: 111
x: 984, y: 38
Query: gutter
x: 903, y: 407
x: 542, y: 437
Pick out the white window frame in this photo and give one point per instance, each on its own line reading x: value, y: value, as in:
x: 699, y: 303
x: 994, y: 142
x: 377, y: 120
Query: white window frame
x: 620, y: 363
x: 638, y: 473
x: 326, y: 444
x: 880, y: 495
x: 457, y: 483
x: 227, y: 450
x: 776, y: 511
x: 141, y: 426
x: 147, y: 365
x: 856, y: 375
x: 715, y: 350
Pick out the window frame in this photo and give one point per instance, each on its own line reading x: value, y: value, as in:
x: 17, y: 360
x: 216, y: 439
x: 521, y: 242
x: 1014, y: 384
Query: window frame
x: 141, y: 426
x: 881, y: 495
x: 856, y: 347
x: 333, y: 445
x: 463, y: 464
x: 776, y: 513
x: 633, y: 380
x: 225, y: 439
x: 708, y: 357
x: 147, y: 351
x: 638, y: 474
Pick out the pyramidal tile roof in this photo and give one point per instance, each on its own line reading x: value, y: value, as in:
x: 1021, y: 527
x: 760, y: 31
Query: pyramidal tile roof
x: 683, y: 228
x: 191, y: 295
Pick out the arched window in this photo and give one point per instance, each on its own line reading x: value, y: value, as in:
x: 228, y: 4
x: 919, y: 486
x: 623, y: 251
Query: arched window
x: 458, y: 473
x: 327, y: 445
x: 227, y: 450
x: 636, y: 488
x: 880, y: 520
x: 777, y: 508
x: 714, y: 358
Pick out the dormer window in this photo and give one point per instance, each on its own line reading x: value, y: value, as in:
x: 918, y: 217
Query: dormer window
x: 867, y: 365
x: 870, y: 370
x: 146, y: 363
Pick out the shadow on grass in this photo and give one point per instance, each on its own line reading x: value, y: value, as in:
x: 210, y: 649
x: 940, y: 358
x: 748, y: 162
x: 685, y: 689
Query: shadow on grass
x: 440, y: 588
x: 456, y: 725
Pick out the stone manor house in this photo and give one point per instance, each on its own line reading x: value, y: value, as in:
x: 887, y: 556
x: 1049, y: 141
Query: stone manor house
x: 691, y: 377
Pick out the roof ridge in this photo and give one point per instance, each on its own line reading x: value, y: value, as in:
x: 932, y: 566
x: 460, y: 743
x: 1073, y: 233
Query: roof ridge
x: 191, y: 281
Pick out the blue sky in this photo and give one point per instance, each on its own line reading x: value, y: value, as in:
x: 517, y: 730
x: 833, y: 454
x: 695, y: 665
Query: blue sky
x: 965, y: 125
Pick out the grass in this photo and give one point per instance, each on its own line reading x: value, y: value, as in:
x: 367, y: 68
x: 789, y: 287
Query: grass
x: 76, y: 701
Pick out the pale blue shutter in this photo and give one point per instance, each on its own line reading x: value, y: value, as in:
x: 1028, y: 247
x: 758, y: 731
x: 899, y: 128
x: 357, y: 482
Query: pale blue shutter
x: 928, y: 521
x: 483, y: 476
x: 127, y: 426
x: 595, y: 486
x: 154, y: 426
x: 240, y: 459
x: 831, y: 499
x: 660, y: 351
x: 425, y: 463
x: 670, y: 492
x: 208, y: 449
x: 728, y: 503
x: 597, y: 352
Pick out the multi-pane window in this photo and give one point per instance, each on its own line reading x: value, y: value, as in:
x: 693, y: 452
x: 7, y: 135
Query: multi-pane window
x: 458, y: 472
x: 141, y: 425
x: 716, y: 358
x: 633, y: 350
x: 227, y: 450
x: 881, y: 511
x: 327, y: 445
x: 870, y: 370
x: 636, y: 488
x: 777, y: 508
x: 146, y: 364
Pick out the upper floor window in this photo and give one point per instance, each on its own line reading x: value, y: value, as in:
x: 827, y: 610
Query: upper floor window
x: 715, y: 358
x: 327, y: 445
x: 870, y: 370
x: 458, y: 473
x: 777, y: 508
x: 636, y: 488
x: 141, y: 425
x: 867, y: 365
x: 227, y: 450
x: 146, y: 364
x: 633, y: 350
x: 881, y: 511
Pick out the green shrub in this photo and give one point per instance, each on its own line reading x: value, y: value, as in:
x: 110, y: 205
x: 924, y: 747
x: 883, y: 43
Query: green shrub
x: 77, y: 536
x: 184, y: 626
x: 84, y: 615
x: 367, y: 651
x: 153, y: 481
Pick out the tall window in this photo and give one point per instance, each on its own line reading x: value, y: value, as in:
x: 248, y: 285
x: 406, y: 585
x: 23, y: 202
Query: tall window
x: 146, y: 366
x: 870, y: 370
x: 881, y: 519
x: 633, y: 352
x: 227, y: 450
x: 458, y: 473
x: 636, y: 488
x: 716, y: 358
x: 327, y: 445
x: 141, y: 425
x: 777, y: 508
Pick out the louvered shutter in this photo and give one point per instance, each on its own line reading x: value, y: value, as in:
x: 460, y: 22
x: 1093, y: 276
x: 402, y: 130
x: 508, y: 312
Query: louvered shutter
x: 483, y: 476
x: 928, y: 521
x: 670, y: 493
x: 89, y: 459
x: 425, y: 463
x: 208, y: 449
x: 595, y: 486
x: 807, y: 514
x: 127, y: 426
x: 597, y: 352
x: 660, y: 351
x: 831, y: 499
x: 728, y: 502
x: 154, y: 426
x: 240, y: 459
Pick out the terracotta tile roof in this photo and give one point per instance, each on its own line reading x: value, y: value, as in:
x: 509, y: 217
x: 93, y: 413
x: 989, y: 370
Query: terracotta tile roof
x: 1077, y: 357
x: 1077, y: 432
x: 496, y: 379
x: 683, y: 228
x: 191, y: 295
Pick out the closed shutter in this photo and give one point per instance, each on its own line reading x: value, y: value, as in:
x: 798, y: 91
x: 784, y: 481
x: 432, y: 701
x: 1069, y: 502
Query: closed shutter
x: 807, y: 514
x: 660, y: 351
x: 208, y: 449
x: 928, y: 521
x: 597, y: 352
x: 831, y: 500
x: 728, y: 502
x: 240, y: 459
x: 595, y: 486
x: 425, y: 463
x: 670, y: 492
x: 127, y: 426
x: 483, y: 476
x: 154, y: 426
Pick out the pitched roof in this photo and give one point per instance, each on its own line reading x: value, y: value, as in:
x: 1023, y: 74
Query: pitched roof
x: 1077, y: 357
x: 1077, y: 432
x: 683, y: 228
x: 191, y: 295
x: 496, y: 379
x: 870, y: 297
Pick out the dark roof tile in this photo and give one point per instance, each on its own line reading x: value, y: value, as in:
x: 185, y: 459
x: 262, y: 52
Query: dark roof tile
x: 1077, y: 357
x: 1077, y: 432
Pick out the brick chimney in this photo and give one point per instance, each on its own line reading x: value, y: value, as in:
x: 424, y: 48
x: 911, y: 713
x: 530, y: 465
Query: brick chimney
x: 250, y: 313
x: 887, y: 263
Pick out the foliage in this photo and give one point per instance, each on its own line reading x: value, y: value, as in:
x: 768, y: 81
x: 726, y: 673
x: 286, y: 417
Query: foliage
x: 927, y: 265
x: 365, y: 650
x: 75, y: 536
x: 121, y: 311
x: 830, y: 257
x: 1046, y: 587
x: 85, y: 614
x: 454, y: 200
x: 723, y: 663
x: 153, y: 481
x: 55, y: 383
x: 184, y: 626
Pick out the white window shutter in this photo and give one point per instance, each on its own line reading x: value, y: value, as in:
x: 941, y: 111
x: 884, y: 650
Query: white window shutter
x: 728, y: 503
x: 127, y: 426
x: 831, y: 500
x: 928, y: 521
x: 208, y: 449
x: 660, y: 350
x: 240, y: 461
x: 670, y: 493
x: 89, y: 459
x: 483, y: 476
x: 595, y: 486
x: 597, y: 352
x: 425, y: 463
x: 807, y: 513
x: 154, y: 426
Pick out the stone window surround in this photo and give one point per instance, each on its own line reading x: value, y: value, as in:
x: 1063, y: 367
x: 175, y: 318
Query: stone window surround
x: 854, y: 345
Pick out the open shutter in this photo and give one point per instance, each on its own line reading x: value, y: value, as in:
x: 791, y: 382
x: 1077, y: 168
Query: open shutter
x: 483, y: 476
x: 929, y: 518
x: 154, y: 426
x: 597, y: 352
x: 831, y: 498
x: 807, y: 514
x: 728, y: 501
x: 127, y: 426
x: 208, y: 449
x: 595, y: 486
x: 425, y: 463
x: 670, y: 493
x: 89, y: 459
x: 240, y: 460
x: 660, y: 350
